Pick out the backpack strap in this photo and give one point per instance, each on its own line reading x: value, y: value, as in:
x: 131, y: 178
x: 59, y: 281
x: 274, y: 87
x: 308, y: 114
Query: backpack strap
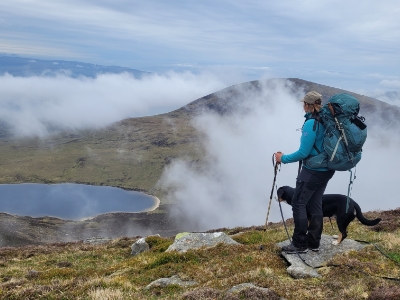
x: 317, y: 120
x: 300, y: 165
x: 316, y: 149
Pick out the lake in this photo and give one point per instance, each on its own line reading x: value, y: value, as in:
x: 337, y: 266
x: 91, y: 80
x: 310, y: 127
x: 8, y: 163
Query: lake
x: 70, y: 201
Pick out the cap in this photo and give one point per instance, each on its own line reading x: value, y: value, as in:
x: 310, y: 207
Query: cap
x: 311, y: 97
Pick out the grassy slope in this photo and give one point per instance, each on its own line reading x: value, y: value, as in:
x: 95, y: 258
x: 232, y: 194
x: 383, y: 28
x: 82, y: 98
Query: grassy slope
x: 130, y: 154
x: 82, y: 271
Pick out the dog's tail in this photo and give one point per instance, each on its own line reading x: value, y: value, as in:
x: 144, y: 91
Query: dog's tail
x: 364, y: 220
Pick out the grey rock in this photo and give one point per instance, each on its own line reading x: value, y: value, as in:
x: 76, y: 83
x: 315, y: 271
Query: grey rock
x: 140, y: 246
x: 199, y: 240
x: 238, y: 288
x: 327, y: 251
x: 174, y: 280
x: 97, y: 240
x: 32, y: 274
x: 300, y: 270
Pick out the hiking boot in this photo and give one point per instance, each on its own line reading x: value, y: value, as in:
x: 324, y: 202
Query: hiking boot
x: 291, y: 249
x: 313, y: 249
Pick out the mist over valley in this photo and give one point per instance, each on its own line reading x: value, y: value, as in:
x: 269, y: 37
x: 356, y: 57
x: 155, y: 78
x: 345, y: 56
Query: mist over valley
x: 207, y: 160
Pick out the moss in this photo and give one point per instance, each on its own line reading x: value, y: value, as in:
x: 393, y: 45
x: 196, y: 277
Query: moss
x: 158, y: 244
x: 189, y: 257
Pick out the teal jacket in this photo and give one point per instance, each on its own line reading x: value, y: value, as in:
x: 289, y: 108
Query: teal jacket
x: 309, y: 137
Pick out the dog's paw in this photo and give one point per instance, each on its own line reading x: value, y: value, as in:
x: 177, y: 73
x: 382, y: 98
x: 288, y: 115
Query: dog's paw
x: 335, y: 236
x: 335, y: 243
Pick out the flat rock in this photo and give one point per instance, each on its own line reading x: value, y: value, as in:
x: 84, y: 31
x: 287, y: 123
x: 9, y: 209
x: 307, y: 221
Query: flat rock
x: 189, y: 241
x: 327, y: 251
x: 97, y: 240
x: 174, y: 280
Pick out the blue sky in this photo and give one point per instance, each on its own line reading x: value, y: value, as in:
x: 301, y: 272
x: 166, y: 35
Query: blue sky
x: 346, y: 44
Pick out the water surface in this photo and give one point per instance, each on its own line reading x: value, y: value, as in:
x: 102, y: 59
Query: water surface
x: 70, y: 201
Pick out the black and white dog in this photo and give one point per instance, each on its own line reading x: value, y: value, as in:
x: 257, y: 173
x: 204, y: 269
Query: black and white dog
x: 333, y: 204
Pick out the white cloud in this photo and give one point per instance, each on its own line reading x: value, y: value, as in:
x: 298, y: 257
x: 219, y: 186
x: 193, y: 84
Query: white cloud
x: 390, y: 84
x: 233, y: 187
x: 30, y: 105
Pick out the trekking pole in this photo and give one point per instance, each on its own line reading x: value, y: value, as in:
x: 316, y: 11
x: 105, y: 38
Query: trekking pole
x: 345, y: 143
x: 276, y: 165
x: 350, y: 187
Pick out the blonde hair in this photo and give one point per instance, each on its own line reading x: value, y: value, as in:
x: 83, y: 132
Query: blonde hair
x: 317, y: 107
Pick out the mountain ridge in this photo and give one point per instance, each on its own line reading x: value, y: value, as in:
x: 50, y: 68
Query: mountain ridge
x: 26, y: 67
x: 368, y: 105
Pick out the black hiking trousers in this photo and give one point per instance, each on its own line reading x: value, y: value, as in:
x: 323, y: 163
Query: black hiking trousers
x: 307, y: 207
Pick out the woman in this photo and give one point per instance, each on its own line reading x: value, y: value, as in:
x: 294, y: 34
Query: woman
x: 310, y: 183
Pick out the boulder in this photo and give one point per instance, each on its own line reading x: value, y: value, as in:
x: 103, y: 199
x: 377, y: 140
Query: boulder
x: 140, y: 246
x: 189, y: 241
x: 298, y: 269
x: 174, y: 280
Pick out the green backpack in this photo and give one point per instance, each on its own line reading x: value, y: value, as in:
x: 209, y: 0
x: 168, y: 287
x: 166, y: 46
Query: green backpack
x: 345, y: 134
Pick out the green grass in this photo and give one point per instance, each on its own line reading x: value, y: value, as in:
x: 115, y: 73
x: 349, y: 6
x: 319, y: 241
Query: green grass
x: 81, y: 271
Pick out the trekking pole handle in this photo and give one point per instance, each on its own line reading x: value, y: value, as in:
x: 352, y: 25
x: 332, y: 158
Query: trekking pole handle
x: 276, y: 166
x: 274, y: 160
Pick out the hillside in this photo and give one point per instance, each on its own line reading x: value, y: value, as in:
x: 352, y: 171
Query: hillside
x: 130, y: 154
x: 78, y: 270
x: 133, y: 153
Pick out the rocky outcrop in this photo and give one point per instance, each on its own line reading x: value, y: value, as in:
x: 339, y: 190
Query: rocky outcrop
x: 315, y: 260
x: 186, y: 241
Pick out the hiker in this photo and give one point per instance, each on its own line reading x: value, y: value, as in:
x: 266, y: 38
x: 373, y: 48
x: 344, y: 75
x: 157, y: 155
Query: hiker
x: 310, y: 183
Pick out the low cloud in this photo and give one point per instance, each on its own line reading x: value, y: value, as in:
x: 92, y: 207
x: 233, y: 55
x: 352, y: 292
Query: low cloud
x: 233, y: 186
x: 36, y: 106
x: 390, y: 84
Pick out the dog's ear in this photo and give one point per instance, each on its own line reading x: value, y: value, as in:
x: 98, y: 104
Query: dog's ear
x: 280, y: 192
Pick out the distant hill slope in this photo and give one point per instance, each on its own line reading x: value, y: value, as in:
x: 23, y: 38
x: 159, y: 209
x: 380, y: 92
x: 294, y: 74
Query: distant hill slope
x: 369, y: 107
x: 133, y: 153
x: 25, y: 67
x: 390, y: 97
